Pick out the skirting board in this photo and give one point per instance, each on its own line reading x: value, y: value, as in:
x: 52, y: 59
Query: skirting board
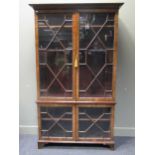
x: 119, y: 131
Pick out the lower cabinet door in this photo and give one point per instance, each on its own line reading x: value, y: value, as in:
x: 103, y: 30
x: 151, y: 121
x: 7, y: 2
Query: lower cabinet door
x: 95, y: 122
x: 88, y: 122
x: 56, y: 121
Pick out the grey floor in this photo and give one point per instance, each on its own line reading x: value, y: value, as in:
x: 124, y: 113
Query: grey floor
x: 28, y: 146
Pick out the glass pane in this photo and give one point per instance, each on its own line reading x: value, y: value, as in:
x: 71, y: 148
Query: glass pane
x: 45, y: 77
x: 94, y: 122
x: 56, y: 121
x: 55, y: 54
x: 96, y: 54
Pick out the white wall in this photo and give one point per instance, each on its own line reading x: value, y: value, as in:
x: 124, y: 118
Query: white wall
x: 125, y: 108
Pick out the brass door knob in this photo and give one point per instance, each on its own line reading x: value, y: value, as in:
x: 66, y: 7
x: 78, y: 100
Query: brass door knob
x: 76, y: 63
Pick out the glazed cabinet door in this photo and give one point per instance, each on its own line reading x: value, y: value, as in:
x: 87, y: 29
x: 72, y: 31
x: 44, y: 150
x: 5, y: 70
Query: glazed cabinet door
x: 76, y: 55
x: 55, y: 55
x: 95, y: 122
x: 56, y: 122
x: 96, y: 48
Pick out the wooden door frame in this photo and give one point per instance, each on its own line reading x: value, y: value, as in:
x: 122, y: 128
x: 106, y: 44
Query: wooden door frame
x: 40, y: 122
x: 44, y: 98
x: 115, y: 53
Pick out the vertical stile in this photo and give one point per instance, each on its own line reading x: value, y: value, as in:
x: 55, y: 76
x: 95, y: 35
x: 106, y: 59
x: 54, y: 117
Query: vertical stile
x: 75, y: 122
x: 37, y: 72
x: 39, y: 121
x: 37, y: 54
x: 75, y: 31
x: 115, y: 55
x: 112, y: 121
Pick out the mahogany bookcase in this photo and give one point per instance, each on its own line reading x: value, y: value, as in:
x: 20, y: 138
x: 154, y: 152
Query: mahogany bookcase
x: 76, y: 57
